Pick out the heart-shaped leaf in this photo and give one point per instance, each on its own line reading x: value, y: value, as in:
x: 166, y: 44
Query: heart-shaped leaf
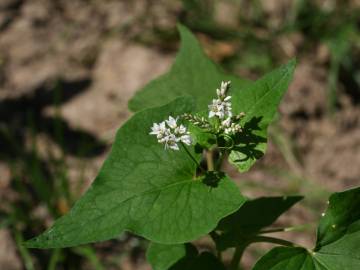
x: 180, y: 257
x: 192, y: 73
x: 147, y: 190
x: 253, y: 216
x: 337, y: 245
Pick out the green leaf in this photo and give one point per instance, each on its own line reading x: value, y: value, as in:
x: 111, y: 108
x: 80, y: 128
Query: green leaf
x: 192, y: 73
x: 146, y: 190
x: 180, y: 257
x: 259, y: 101
x: 337, y: 245
x: 285, y: 258
x: 253, y: 216
x: 162, y: 257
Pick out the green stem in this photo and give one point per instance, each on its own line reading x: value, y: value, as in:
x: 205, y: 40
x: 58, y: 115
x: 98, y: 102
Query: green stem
x: 287, y: 229
x: 273, y: 240
x: 192, y: 157
x: 235, y: 261
x: 24, y: 252
x: 54, y: 259
x: 220, y: 160
x: 214, y: 236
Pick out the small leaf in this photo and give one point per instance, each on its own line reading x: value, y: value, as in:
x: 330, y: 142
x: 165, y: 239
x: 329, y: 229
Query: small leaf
x: 259, y: 101
x: 146, y: 190
x: 343, y: 210
x: 180, y: 257
x: 285, y: 258
x: 337, y: 246
x: 192, y: 73
x: 162, y: 257
x: 205, y: 261
x: 253, y: 216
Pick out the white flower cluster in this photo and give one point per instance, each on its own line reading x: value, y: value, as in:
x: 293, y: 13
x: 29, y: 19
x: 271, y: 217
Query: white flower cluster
x: 169, y: 133
x: 221, y: 107
x: 229, y: 127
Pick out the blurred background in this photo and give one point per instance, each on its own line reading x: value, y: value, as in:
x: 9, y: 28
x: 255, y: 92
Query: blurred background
x: 68, y: 68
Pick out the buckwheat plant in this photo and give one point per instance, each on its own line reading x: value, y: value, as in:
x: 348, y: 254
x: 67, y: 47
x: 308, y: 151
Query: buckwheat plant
x: 164, y: 179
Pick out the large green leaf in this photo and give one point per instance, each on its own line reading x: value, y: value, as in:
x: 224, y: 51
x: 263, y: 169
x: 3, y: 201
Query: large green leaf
x: 253, y: 216
x: 146, y: 190
x: 337, y: 246
x: 259, y: 101
x: 180, y: 257
x: 192, y: 73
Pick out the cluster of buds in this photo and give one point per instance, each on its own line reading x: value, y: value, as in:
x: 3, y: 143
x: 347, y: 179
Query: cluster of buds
x: 197, y: 120
x: 170, y: 133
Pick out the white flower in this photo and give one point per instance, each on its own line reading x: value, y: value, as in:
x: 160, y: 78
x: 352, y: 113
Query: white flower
x: 233, y: 129
x: 230, y: 127
x: 226, y: 122
x: 169, y: 133
x: 159, y: 130
x: 171, y: 142
x: 180, y: 130
x: 172, y: 122
x: 186, y: 139
x: 220, y: 109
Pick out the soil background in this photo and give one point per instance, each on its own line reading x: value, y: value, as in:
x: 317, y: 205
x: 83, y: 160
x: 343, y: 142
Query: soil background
x: 68, y: 69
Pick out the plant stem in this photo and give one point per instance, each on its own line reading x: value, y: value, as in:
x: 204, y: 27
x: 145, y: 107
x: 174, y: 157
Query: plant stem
x: 214, y: 236
x: 273, y: 240
x: 220, y: 160
x: 192, y: 157
x: 287, y: 229
x: 210, y: 160
x: 54, y: 259
x: 24, y: 252
x: 235, y: 261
